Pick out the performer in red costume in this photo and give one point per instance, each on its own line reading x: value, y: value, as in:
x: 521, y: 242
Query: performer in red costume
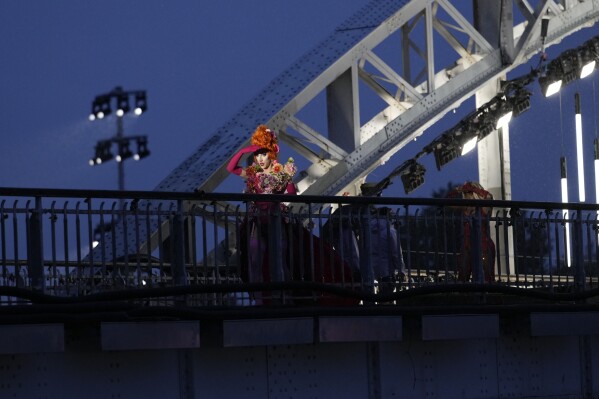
x: 264, y: 176
x: 473, y: 190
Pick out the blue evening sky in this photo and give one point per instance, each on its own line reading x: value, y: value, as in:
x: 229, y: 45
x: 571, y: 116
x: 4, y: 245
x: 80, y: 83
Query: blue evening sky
x: 200, y: 62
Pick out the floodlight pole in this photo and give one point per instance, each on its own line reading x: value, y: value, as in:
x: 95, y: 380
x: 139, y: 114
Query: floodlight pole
x: 101, y: 107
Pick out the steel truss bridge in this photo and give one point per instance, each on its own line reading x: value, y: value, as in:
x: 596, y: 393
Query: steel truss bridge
x: 158, y: 309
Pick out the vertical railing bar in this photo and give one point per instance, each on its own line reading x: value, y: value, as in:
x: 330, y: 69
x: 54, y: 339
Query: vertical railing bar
x: 311, y: 245
x: 430, y: 251
x: 161, y: 253
x: 113, y: 225
x: 18, y: 266
x: 238, y: 226
x: 506, y: 242
x: 138, y: 267
x: 216, y: 297
x: 580, y: 281
x: 36, y: 246
x: 248, y: 230
x: 366, y: 250
x: 408, y: 244
x: 65, y: 234
x: 290, y: 245
x: 215, y: 270
x: 549, y: 246
x: 3, y: 217
x: 589, y: 256
x: 321, y: 265
x: 515, y: 219
x: 15, y: 244
x: 193, y: 255
x: 226, y: 246
x: 149, y: 262
x: 330, y: 233
x: 556, y: 229
x: 205, y: 244
x: 53, y: 244
x: 128, y: 279
x: 90, y: 243
x: 300, y: 245
x: 78, y: 243
x: 419, y: 251
x: 104, y: 269
x: 443, y: 212
x: 498, y: 249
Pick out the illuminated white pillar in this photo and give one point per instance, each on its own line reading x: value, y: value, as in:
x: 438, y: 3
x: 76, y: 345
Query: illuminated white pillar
x: 579, y: 152
x: 564, y: 184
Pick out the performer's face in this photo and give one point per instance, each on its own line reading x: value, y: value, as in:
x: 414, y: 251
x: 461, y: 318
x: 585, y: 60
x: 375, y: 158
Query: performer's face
x: 262, y: 159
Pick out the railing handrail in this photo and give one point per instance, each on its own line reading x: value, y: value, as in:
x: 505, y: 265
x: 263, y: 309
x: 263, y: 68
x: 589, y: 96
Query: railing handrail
x: 308, y: 199
x: 186, y: 238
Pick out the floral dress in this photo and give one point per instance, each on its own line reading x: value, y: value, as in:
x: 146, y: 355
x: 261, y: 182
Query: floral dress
x: 273, y: 182
x: 256, y: 239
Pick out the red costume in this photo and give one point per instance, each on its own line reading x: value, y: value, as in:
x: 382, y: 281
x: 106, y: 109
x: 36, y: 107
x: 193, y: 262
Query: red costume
x: 473, y: 190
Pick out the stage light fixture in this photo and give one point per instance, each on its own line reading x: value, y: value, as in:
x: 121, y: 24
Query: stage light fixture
x: 96, y: 108
x: 140, y: 103
x: 520, y: 102
x: 469, y: 145
x: 142, y: 149
x: 122, y: 104
x: 485, y: 127
x: 413, y: 177
x: 559, y: 72
x: 550, y: 85
x: 104, y: 104
x: 503, y: 114
x: 124, y: 151
x: 102, y: 152
x: 445, y: 153
x: 588, y: 57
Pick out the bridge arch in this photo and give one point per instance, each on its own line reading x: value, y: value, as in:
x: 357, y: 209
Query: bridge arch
x: 445, y: 58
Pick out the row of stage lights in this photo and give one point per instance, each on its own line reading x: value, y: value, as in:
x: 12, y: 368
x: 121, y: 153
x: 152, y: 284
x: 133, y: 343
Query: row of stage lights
x: 101, y: 106
x: 103, y: 152
x: 512, y: 100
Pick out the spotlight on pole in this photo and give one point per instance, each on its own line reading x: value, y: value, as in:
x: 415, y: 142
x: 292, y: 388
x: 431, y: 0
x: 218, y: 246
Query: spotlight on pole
x: 124, y: 151
x: 122, y: 105
x: 140, y: 103
x: 105, y: 108
x: 142, y: 149
x: 103, y: 152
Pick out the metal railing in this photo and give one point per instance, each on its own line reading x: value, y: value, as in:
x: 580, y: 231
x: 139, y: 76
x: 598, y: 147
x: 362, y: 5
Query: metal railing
x: 217, y: 249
